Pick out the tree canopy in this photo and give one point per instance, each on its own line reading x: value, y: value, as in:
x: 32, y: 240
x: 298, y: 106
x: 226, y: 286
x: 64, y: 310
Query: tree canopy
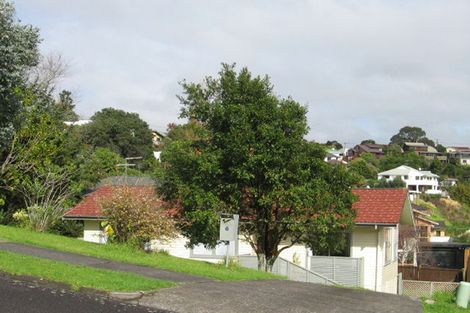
x: 123, y: 132
x: 410, y: 134
x: 334, y: 144
x: 18, y: 54
x: 368, y: 141
x: 250, y: 158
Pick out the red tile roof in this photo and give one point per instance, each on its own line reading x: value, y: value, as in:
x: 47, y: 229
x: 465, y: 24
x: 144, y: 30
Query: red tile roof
x: 381, y: 206
x: 90, y: 206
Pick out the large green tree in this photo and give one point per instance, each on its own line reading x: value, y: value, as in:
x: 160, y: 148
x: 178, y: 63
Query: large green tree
x: 410, y: 134
x: 18, y: 54
x: 251, y: 158
x: 123, y: 132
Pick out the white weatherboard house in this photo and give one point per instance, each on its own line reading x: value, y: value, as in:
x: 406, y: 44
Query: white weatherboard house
x: 416, y: 181
x: 380, y: 212
x: 373, y: 241
x: 89, y: 209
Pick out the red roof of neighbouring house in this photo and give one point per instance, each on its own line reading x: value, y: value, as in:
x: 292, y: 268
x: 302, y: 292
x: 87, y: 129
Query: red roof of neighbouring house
x: 379, y: 206
x: 90, y: 207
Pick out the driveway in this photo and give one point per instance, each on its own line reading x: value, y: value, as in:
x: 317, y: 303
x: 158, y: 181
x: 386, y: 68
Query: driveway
x: 275, y: 296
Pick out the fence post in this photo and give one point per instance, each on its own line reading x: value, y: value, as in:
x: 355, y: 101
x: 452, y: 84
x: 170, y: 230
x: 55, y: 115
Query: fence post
x: 334, y: 269
x: 288, y: 270
x: 431, y: 290
x: 400, y: 284
x: 306, y: 274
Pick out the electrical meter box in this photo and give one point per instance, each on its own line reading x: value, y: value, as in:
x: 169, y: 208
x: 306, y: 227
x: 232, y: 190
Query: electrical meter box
x: 229, y: 228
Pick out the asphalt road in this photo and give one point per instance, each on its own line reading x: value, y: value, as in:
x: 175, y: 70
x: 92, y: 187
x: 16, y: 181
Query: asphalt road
x: 269, y: 296
x: 29, y: 297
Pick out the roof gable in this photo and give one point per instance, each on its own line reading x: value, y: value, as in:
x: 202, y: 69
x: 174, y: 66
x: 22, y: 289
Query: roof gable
x: 381, y: 206
x: 407, y: 170
x: 90, y: 207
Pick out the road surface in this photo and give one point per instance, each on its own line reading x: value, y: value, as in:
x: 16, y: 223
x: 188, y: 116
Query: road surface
x: 29, y: 297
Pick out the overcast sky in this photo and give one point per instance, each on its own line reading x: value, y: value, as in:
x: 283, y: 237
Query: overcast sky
x: 364, y: 68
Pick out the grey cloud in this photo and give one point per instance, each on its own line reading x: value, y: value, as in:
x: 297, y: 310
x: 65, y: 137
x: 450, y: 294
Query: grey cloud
x: 364, y: 68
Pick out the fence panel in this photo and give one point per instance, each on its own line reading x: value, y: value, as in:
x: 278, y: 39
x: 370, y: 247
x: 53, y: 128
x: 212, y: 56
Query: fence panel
x: 344, y: 270
x: 290, y: 270
x: 431, y: 273
x: 418, y: 289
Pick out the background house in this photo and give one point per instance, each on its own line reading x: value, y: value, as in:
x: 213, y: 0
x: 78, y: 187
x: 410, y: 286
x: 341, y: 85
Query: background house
x: 335, y: 156
x: 460, y: 154
x: 377, y: 150
x: 428, y: 152
x: 416, y: 181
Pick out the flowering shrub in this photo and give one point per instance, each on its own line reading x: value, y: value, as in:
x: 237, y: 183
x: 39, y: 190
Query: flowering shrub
x: 136, y: 216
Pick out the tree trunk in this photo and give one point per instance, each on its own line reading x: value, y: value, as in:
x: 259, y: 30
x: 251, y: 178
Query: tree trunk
x: 261, y: 261
x: 266, y: 262
x: 270, y: 263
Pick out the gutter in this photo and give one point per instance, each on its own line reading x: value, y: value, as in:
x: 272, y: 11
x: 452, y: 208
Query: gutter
x: 376, y: 224
x: 84, y: 218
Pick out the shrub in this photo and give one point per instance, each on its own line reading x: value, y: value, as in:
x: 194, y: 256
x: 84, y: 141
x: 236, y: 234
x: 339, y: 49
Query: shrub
x: 137, y: 216
x: 68, y: 228
x: 41, y: 218
x: 383, y: 183
x: 21, y: 218
x: 461, y: 192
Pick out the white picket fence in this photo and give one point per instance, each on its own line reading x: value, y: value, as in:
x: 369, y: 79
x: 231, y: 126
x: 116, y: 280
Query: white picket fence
x: 288, y: 269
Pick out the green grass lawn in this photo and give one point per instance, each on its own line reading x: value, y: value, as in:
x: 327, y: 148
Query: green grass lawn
x: 445, y: 303
x: 75, y: 275
x: 130, y: 254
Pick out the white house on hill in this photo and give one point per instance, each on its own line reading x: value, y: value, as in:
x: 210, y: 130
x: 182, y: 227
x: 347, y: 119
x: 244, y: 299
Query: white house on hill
x: 416, y: 181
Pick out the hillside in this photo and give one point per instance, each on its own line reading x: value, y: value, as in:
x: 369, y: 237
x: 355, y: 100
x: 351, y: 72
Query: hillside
x: 455, y: 214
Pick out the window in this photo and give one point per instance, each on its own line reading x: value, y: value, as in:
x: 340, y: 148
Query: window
x: 405, y: 177
x: 417, y: 177
x: 389, y: 245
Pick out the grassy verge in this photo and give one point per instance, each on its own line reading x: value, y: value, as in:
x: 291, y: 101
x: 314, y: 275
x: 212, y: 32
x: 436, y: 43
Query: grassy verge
x: 444, y: 303
x: 77, y: 276
x: 130, y: 254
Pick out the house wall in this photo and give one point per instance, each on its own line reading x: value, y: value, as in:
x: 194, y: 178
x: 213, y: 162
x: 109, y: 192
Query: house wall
x: 465, y: 160
x: 364, y: 245
x: 370, y: 244
x: 177, y: 247
x: 390, y: 278
x: 92, y: 232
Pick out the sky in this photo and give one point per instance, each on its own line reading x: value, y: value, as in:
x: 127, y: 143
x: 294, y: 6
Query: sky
x: 363, y: 68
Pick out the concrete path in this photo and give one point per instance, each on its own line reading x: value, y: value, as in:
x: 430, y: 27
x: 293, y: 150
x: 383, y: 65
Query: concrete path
x: 80, y: 259
x: 270, y: 296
